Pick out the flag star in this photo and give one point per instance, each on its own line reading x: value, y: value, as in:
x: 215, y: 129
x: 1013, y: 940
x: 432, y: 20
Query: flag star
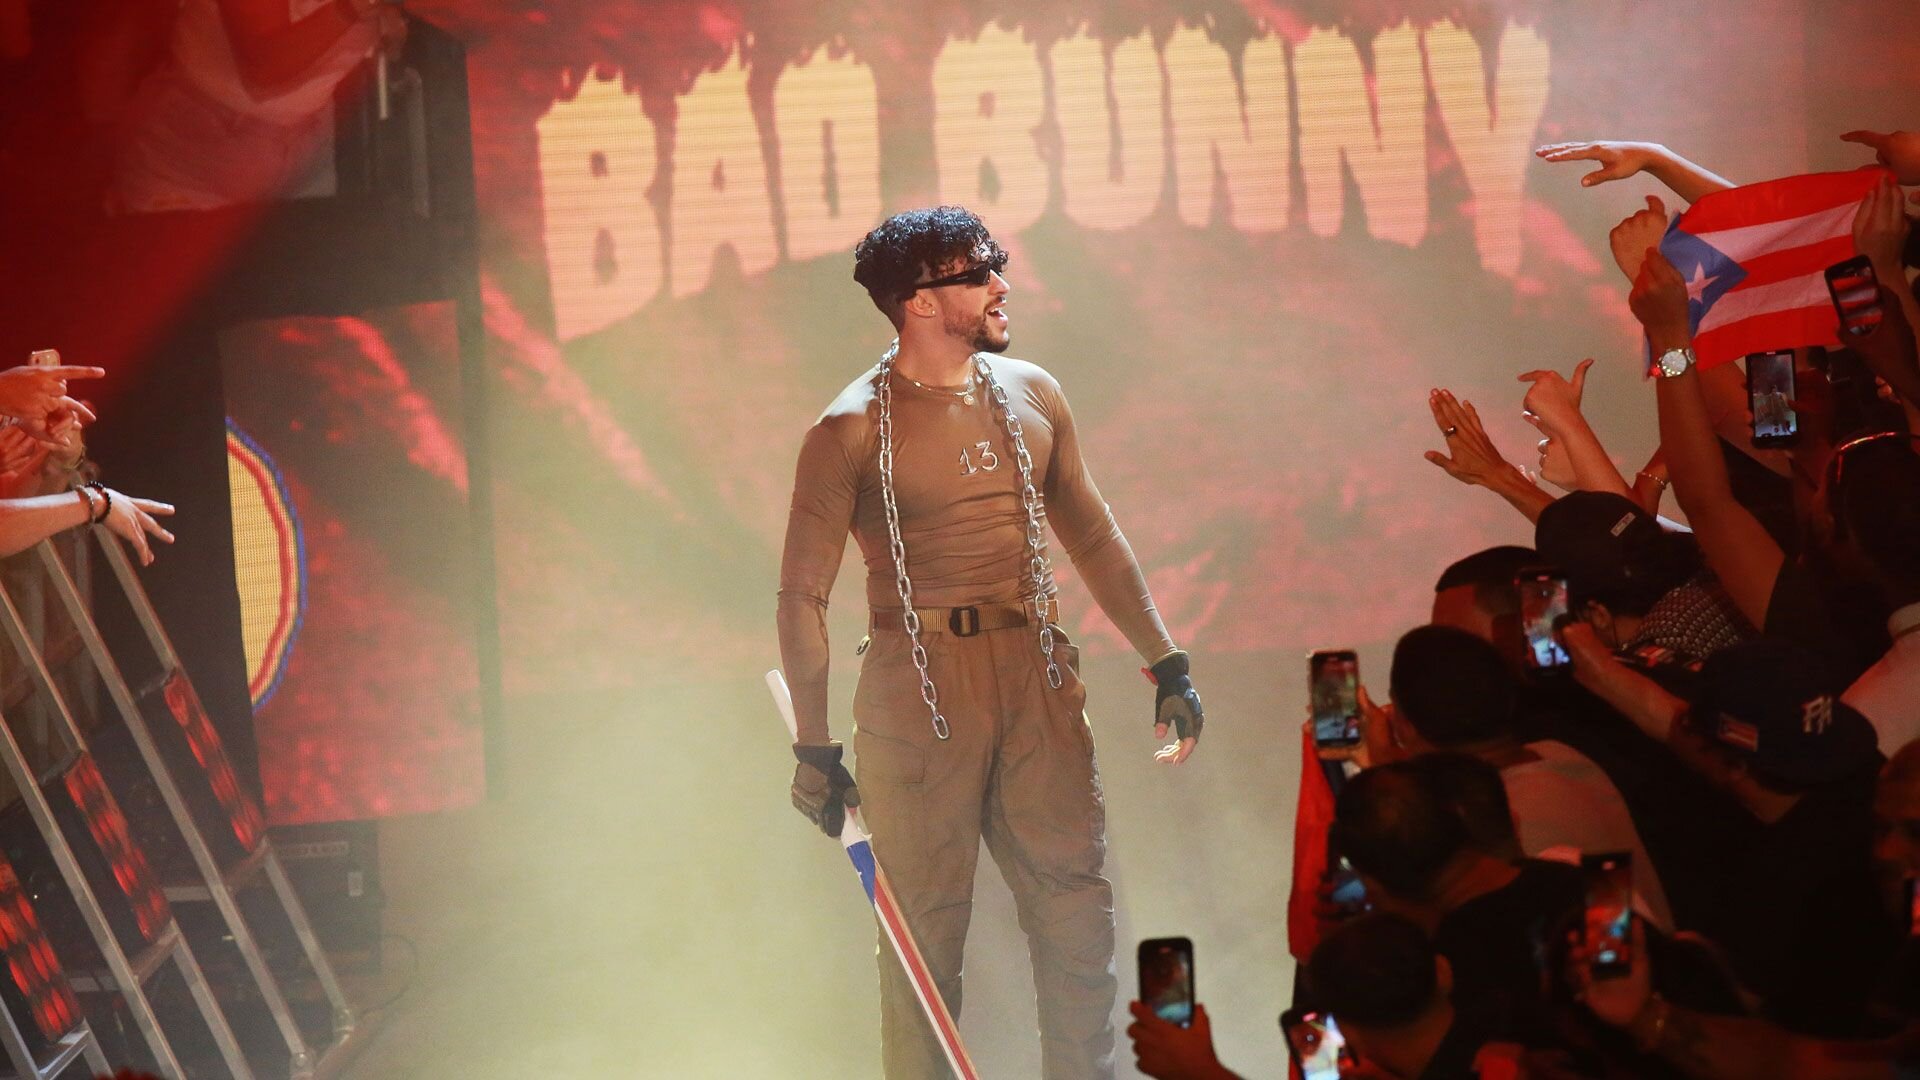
x: 1700, y: 282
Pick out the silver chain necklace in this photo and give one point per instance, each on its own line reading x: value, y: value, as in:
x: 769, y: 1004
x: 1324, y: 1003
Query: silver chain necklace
x: 1036, y: 538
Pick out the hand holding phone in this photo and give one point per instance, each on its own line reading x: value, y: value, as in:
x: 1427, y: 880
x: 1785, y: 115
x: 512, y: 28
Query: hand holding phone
x: 1770, y: 396
x: 1543, y: 604
x: 1333, y: 682
x: 1856, y: 295
x: 1346, y: 894
x: 1166, y: 978
x: 1315, y: 1043
x: 1608, y: 924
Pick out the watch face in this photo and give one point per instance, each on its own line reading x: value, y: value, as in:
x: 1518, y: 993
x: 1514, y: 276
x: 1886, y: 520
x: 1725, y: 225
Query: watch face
x: 1674, y: 362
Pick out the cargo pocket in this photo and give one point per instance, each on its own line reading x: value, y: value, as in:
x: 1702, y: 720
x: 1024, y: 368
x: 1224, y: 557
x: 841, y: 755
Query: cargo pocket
x: 1072, y: 695
x: 1065, y: 652
x: 887, y: 759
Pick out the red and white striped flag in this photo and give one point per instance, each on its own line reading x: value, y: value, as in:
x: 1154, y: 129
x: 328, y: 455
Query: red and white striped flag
x: 1754, y: 259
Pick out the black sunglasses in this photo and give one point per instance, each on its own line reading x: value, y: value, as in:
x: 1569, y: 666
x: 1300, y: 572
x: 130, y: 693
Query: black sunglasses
x: 976, y: 274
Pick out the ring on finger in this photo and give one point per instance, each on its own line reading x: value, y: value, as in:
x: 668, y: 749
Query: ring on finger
x: 1452, y: 430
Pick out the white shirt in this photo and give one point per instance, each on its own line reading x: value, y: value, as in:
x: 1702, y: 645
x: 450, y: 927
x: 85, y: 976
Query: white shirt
x: 1562, y: 799
x: 1888, y: 693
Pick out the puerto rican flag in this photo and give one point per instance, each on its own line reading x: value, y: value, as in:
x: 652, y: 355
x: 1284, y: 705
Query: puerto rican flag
x: 1755, y: 257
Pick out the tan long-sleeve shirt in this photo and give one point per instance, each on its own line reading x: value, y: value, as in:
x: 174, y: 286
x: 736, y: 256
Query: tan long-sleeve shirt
x: 958, y: 488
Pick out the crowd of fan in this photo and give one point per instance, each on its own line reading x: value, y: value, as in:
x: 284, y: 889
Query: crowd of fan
x: 1742, y: 718
x: 47, y: 485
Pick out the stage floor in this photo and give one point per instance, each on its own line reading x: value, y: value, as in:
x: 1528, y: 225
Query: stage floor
x: 642, y: 901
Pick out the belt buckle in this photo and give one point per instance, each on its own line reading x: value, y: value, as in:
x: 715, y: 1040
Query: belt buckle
x: 964, y: 621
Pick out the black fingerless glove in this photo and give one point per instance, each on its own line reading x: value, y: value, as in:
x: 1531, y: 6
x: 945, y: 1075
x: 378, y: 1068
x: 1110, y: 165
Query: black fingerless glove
x: 1176, y: 703
x: 822, y: 787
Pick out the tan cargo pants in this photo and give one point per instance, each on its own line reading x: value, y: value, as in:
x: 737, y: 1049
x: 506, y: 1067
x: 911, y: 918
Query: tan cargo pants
x: 1019, y: 772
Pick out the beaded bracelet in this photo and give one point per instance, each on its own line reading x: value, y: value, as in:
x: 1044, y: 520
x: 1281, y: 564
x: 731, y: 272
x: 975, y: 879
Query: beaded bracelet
x: 106, y: 496
x: 87, y: 498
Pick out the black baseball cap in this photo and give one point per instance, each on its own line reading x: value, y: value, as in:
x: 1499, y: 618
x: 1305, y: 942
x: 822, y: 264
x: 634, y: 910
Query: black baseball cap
x: 1768, y: 702
x: 1604, y: 543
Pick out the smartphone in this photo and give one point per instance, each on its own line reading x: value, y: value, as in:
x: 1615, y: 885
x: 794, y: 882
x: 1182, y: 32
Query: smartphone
x: 1345, y: 890
x: 1166, y: 978
x: 1770, y: 394
x: 1314, y: 1040
x: 1543, y: 603
x: 1856, y: 295
x: 1609, y: 920
x: 44, y: 358
x: 1333, y: 681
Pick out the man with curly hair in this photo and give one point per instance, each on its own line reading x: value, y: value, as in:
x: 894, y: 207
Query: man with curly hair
x: 947, y: 461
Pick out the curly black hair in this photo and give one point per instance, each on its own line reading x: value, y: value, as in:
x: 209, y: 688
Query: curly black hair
x: 891, y: 258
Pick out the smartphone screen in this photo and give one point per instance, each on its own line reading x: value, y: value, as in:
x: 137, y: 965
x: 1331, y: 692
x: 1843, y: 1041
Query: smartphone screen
x: 1770, y: 394
x: 1166, y: 978
x: 1543, y: 603
x: 1856, y: 295
x: 1333, y: 680
x: 1316, y: 1044
x: 1609, y: 921
x: 1345, y: 890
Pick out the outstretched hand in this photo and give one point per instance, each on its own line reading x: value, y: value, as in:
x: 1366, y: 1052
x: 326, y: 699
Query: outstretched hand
x: 1618, y: 160
x: 37, y: 398
x: 132, y: 520
x: 1897, y: 150
x: 1473, y: 459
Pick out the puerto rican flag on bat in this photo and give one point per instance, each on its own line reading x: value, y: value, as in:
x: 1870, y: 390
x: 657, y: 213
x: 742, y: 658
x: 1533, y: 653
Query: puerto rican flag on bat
x: 886, y: 909
x: 1755, y: 257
